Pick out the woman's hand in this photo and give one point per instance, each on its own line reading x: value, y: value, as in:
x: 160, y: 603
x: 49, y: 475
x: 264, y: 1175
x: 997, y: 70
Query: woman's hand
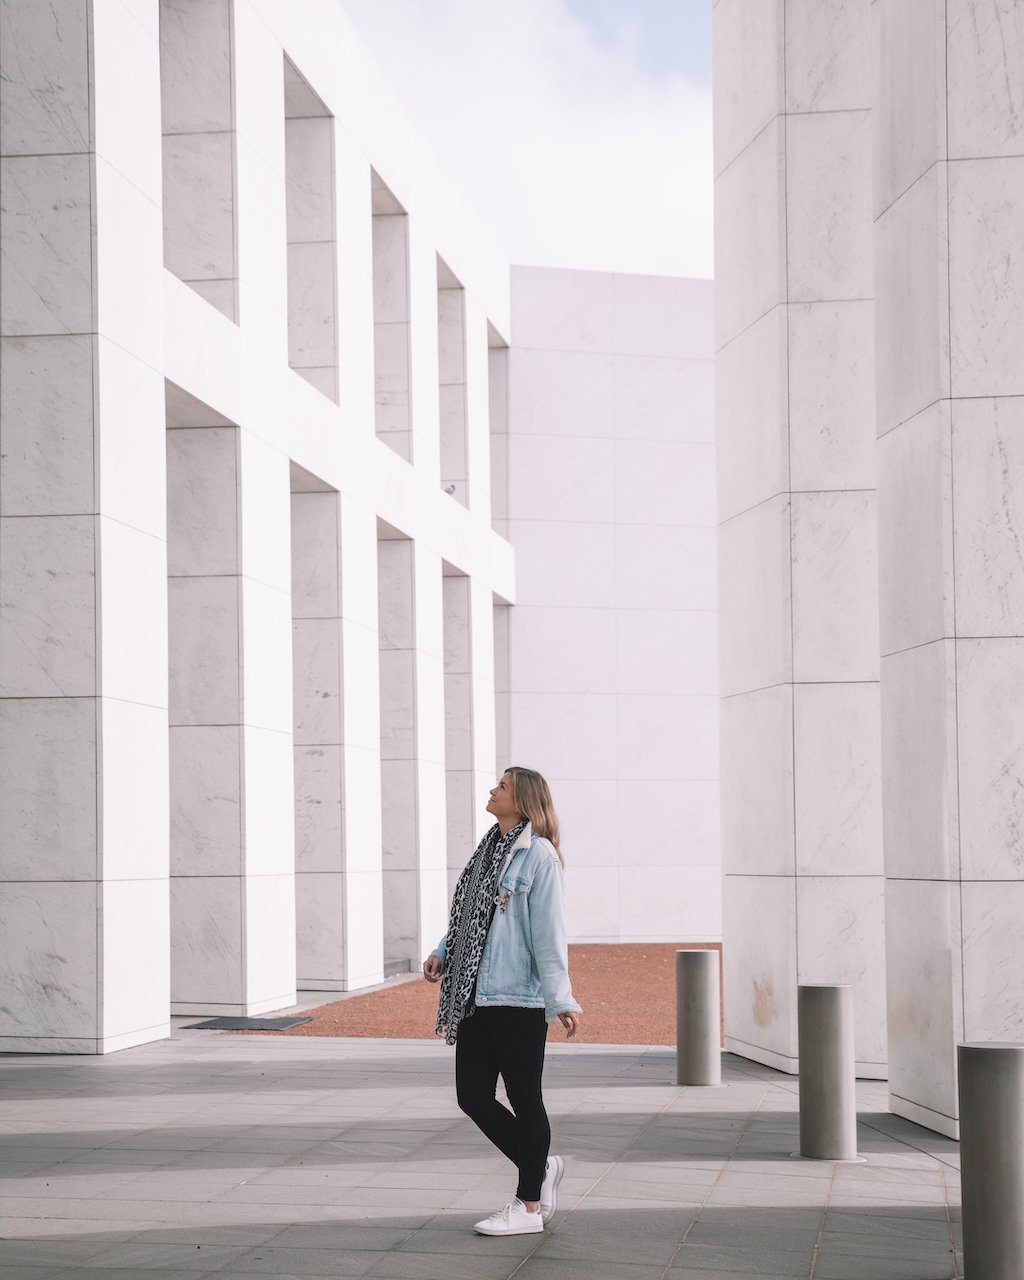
x: 571, y: 1022
x: 433, y: 968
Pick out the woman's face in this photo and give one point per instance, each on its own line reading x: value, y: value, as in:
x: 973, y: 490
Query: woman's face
x: 500, y: 804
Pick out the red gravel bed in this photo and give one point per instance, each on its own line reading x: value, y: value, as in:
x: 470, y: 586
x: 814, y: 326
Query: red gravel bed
x: 627, y: 991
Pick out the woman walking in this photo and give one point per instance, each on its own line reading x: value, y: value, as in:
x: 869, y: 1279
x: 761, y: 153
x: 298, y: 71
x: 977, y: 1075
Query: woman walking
x: 503, y: 968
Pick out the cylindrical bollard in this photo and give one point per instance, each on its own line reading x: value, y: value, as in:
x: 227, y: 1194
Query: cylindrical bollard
x: 992, y: 1159
x: 698, y: 1018
x: 828, y: 1097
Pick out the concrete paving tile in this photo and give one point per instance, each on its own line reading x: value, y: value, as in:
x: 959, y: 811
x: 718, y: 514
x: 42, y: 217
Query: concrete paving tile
x: 460, y: 1238
x: 752, y: 1260
x: 354, y: 1236
x: 144, y: 1255
x: 452, y: 1266
x: 270, y: 1261
x: 539, y: 1267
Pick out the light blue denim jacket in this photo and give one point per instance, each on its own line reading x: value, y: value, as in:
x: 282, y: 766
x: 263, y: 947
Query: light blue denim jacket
x: 525, y: 962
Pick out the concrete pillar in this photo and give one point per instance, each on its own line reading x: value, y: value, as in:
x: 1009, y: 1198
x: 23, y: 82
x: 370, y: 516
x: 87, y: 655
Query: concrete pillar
x: 801, y: 754
x: 83, y: 678
x: 949, y: 254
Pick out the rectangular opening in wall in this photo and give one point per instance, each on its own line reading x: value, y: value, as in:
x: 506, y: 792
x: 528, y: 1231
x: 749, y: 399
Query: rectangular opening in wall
x: 312, y: 235
x: 398, y: 748
x: 497, y: 413
x: 198, y: 113
x: 451, y: 361
x: 391, y: 319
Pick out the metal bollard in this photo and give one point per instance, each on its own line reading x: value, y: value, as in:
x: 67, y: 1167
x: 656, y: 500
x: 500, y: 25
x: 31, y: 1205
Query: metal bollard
x: 828, y: 1097
x: 992, y: 1159
x: 698, y: 1018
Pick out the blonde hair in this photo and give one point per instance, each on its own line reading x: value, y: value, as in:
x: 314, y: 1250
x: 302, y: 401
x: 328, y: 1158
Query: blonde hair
x: 531, y: 796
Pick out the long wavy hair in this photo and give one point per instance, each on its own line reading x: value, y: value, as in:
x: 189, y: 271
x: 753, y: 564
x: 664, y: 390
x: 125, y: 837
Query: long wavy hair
x: 531, y: 796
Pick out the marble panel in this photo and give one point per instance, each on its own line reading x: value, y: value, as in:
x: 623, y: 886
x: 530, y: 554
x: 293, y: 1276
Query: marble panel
x: 664, y: 567
x: 984, y: 53
x: 128, y: 230
x: 362, y: 813
x: 49, y: 958
x: 750, y: 234
x: 662, y: 826
x: 220, y: 294
x: 660, y: 736
x: 663, y: 316
x: 44, y: 65
x: 361, y: 685
x: 564, y: 393
x: 134, y: 791
x: 270, y: 942
x: 567, y: 650
x: 841, y: 929
x: 990, y: 745
x: 269, y: 802
x: 658, y: 398
x: 136, y: 958
x: 591, y: 903
x: 390, y: 269
x: 399, y: 815
x: 458, y: 722
x: 988, y: 516
x: 910, y: 94
x: 925, y: 982
x: 993, y: 988
x: 266, y: 515
x: 320, y: 932
x: 748, y: 73
x: 206, y: 800
x: 48, y: 621
x: 912, y: 300
x: 669, y: 904
x: 316, y: 569
x: 364, y: 932
x: 986, y: 276
x: 831, y: 395
x: 195, y: 66
x: 755, y: 647
x: 563, y: 735
x: 835, y: 586
x: 199, y: 221
x: 588, y: 819
x: 430, y: 718
x: 579, y: 574
x: 456, y: 591
x: 759, y: 949
x: 396, y: 593
x: 204, y: 635
x: 131, y: 447
x: 563, y: 311
x: 267, y: 657
x: 662, y: 651
x: 758, y: 835
x: 663, y: 482
x: 401, y: 915
x: 561, y: 478
x: 46, y: 245
x: 828, y: 206
x: 206, y: 940
x: 752, y: 397
x: 915, y: 531
x: 133, y: 601
x: 460, y: 817
x: 48, y: 763
x: 828, y: 55
x: 319, y: 809
x: 46, y: 426
x: 398, y: 704
x: 202, y: 499
x: 325, y: 380
x: 316, y: 674
x: 125, y: 85
x: 451, y: 336
x: 838, y: 785
x: 309, y: 180
x: 919, y: 764
x: 312, y: 306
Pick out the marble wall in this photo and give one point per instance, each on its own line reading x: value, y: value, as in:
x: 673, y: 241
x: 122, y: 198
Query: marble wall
x: 801, y: 750
x: 610, y: 677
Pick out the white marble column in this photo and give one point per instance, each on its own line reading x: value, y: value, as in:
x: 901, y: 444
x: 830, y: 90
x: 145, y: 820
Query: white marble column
x: 801, y: 824
x: 83, y: 675
x: 232, y: 793
x: 949, y: 248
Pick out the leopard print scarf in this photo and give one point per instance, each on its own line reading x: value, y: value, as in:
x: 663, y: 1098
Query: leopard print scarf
x: 470, y: 919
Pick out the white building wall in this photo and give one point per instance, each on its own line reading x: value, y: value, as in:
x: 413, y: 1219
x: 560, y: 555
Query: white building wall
x: 609, y: 658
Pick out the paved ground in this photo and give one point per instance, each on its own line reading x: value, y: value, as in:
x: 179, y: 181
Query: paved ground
x: 247, y: 1156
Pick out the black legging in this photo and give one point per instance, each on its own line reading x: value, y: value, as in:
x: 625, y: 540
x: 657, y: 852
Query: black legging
x: 498, y: 1039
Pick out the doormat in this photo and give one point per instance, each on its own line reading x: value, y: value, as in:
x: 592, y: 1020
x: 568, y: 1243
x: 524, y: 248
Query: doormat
x: 246, y: 1024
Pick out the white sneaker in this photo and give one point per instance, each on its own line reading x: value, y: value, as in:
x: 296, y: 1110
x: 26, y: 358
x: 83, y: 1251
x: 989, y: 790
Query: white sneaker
x: 514, y: 1220
x: 553, y: 1171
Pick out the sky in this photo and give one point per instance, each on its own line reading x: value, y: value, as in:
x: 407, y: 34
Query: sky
x: 579, y: 129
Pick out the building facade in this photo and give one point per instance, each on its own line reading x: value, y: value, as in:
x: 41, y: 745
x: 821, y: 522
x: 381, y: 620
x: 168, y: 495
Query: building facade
x: 300, y: 540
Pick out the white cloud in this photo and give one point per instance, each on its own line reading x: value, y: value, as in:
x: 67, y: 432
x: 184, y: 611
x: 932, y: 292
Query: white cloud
x: 572, y: 153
